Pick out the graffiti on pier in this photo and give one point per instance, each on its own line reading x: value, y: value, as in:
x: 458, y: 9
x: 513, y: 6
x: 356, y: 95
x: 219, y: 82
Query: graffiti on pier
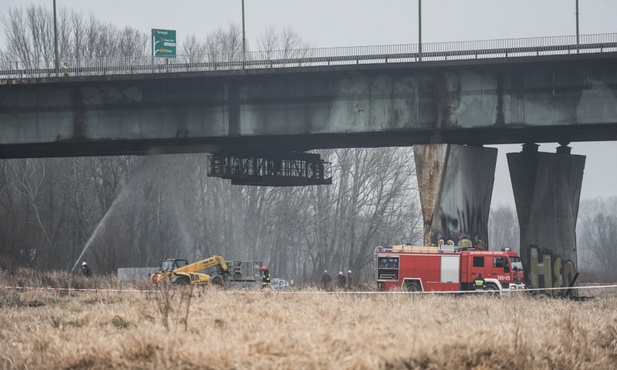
x: 549, y: 270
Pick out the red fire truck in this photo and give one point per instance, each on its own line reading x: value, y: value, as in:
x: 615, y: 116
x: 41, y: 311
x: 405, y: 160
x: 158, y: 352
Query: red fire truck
x: 447, y: 268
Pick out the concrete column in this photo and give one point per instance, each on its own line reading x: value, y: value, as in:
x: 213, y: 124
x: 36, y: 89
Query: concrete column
x: 547, y: 189
x: 456, y: 185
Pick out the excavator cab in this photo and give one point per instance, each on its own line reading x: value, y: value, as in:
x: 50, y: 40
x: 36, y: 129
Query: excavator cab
x: 168, y: 265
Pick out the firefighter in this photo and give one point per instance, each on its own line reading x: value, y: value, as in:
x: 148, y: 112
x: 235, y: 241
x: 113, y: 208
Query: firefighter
x: 478, y: 283
x: 65, y: 69
x: 326, y: 280
x: 265, y: 277
x: 348, y: 280
x: 85, y: 269
x: 341, y: 280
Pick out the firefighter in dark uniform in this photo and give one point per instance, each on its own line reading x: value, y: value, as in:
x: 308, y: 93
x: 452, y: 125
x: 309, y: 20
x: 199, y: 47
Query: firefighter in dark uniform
x: 85, y: 269
x: 348, y: 280
x: 341, y: 280
x: 478, y: 283
x: 326, y: 280
x: 265, y: 277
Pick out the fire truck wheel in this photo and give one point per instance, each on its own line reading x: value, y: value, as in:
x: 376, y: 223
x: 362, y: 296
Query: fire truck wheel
x: 217, y: 281
x: 183, y: 281
x: 492, y: 288
x: 413, y: 286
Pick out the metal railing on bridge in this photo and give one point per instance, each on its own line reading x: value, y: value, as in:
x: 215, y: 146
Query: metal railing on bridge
x: 442, y: 51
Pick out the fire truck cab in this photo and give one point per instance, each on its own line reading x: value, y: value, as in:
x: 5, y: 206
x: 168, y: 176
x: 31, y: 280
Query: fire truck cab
x: 447, y: 268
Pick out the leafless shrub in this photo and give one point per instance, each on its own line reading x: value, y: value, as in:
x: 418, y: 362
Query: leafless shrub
x: 184, y: 305
x: 165, y: 301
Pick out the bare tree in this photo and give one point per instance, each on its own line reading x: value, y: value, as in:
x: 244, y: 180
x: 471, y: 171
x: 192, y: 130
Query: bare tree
x: 268, y: 42
x: 373, y: 201
x: 284, y: 44
x: 503, y: 228
x: 224, y: 45
x: 597, y: 238
x: 596, y: 228
x: 29, y: 36
x: 16, y: 236
x: 193, y: 49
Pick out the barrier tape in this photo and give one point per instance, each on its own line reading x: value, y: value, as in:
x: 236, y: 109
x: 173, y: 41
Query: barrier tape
x: 314, y: 292
x: 505, y: 291
x: 77, y: 289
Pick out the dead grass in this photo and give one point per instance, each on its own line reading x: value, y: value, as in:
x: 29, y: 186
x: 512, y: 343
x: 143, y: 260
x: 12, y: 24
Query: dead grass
x: 305, y: 330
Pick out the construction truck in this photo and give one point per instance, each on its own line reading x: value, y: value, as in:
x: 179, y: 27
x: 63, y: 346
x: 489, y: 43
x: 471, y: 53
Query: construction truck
x: 447, y: 268
x: 213, y: 270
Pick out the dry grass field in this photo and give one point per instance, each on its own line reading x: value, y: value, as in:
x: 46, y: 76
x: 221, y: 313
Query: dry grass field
x: 212, y: 329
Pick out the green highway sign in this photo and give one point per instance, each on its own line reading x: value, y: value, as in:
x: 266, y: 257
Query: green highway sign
x: 163, y: 43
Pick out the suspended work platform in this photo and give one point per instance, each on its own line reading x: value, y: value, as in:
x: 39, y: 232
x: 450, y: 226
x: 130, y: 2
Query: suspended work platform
x: 280, y: 169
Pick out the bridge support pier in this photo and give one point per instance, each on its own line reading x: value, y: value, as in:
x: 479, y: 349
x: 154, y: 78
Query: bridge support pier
x: 547, y: 188
x: 456, y: 185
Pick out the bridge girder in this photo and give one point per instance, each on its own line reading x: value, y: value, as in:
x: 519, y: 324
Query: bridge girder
x: 563, y: 98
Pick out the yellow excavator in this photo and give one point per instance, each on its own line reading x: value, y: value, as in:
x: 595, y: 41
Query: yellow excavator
x: 179, y: 271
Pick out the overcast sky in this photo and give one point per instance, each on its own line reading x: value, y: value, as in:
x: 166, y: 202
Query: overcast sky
x: 335, y: 23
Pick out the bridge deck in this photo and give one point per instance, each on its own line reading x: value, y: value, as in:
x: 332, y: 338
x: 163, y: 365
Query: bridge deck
x: 476, y: 101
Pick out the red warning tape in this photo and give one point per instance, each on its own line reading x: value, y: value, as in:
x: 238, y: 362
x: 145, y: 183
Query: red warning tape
x: 308, y: 292
x: 76, y: 289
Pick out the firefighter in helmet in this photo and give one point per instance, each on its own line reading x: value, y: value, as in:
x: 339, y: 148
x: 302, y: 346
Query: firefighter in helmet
x: 265, y: 277
x: 478, y: 283
x: 341, y: 280
x: 348, y: 280
x: 326, y: 280
x: 85, y: 269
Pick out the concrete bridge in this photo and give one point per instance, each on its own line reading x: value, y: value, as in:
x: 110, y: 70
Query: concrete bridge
x: 258, y: 116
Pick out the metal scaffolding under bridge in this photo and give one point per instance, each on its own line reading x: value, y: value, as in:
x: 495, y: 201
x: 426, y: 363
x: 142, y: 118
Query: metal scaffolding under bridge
x: 288, y: 169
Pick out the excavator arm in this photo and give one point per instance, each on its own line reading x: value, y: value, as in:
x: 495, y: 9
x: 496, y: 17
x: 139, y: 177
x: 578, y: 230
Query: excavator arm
x: 189, y: 274
x: 203, y: 264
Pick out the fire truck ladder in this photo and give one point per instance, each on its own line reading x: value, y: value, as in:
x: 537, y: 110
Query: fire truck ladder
x: 268, y: 169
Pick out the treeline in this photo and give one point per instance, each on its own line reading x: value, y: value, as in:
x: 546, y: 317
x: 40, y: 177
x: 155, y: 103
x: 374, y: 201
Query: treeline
x: 133, y: 211
x: 85, y: 41
x: 29, y: 38
x: 597, y: 234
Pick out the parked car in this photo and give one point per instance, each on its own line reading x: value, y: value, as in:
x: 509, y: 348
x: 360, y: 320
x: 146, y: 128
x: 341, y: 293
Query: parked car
x: 278, y: 283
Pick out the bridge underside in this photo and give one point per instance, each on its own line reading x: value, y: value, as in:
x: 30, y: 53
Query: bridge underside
x: 293, y: 143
